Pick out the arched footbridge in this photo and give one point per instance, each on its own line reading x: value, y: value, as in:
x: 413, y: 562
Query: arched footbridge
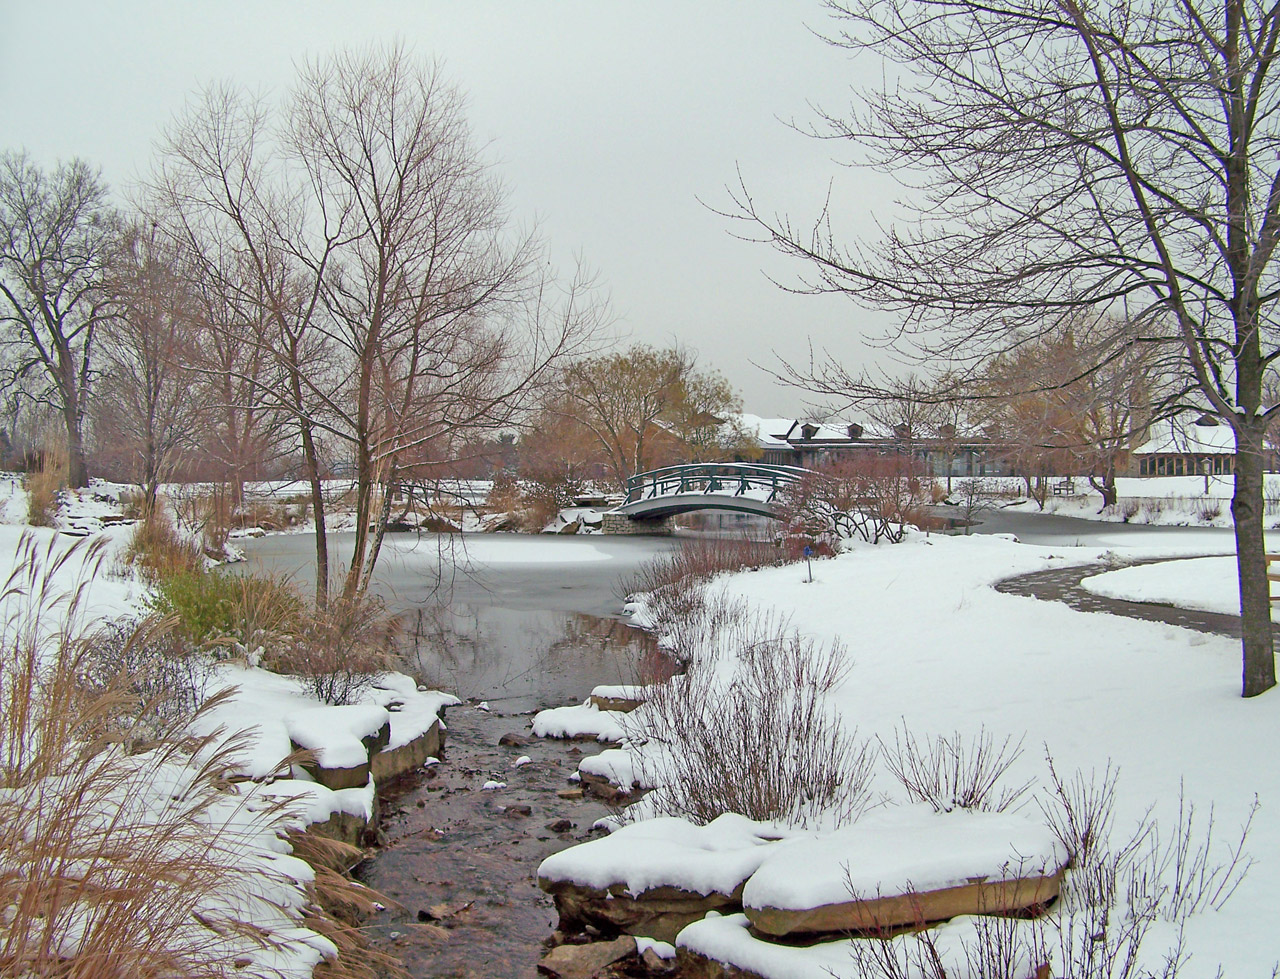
x: 742, y: 487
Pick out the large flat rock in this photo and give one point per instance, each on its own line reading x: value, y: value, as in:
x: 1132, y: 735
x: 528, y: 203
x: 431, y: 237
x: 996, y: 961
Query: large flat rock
x: 390, y: 763
x: 903, y: 867
x: 899, y: 910
x: 654, y: 877
x: 660, y: 913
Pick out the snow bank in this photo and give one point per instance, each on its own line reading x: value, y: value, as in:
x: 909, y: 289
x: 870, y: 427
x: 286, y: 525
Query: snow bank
x: 623, y: 691
x: 726, y: 938
x: 1210, y: 584
x: 627, y: 768
x: 335, y: 734
x: 413, y: 711
x: 273, y: 710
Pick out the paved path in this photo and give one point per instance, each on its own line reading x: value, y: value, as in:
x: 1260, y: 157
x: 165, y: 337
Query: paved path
x: 1063, y: 585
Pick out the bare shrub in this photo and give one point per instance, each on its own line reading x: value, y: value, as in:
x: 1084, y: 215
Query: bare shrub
x: 955, y: 772
x: 1209, y: 510
x: 1152, y: 508
x: 340, y: 649
x: 699, y: 559
x: 1114, y: 894
x: 1003, y: 948
x: 1129, y: 508
x: 1081, y: 811
x: 971, y: 500
x: 168, y: 678
x: 504, y: 494
x: 760, y: 742
x: 548, y: 489
x: 674, y: 589
x: 1271, y: 502
x: 1117, y: 889
x: 913, y: 957
x: 1192, y: 876
x: 872, y: 498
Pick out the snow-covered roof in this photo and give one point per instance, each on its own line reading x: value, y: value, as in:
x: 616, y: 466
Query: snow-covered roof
x: 829, y: 431
x: 771, y: 433
x: 784, y: 433
x: 1186, y: 437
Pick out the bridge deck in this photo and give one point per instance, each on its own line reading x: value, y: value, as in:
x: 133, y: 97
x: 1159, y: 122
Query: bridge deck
x: 735, y: 486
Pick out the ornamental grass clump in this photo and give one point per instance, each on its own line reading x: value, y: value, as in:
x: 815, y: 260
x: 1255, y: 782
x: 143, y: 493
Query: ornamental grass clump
x: 158, y: 552
x: 130, y: 847
x: 235, y: 614
x: 124, y: 849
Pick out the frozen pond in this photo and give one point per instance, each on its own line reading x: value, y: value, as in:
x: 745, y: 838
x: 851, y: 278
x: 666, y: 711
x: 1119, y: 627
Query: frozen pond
x: 521, y: 621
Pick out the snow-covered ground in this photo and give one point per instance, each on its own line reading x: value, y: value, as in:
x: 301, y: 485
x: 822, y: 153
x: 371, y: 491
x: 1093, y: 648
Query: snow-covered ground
x: 935, y: 650
x: 1162, y: 501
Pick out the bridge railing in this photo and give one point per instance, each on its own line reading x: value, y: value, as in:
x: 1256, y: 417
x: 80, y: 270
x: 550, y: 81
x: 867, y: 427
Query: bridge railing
x: 729, y: 478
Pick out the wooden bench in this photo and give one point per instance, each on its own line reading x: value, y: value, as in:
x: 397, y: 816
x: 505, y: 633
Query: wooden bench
x: 1064, y: 487
x: 1272, y: 576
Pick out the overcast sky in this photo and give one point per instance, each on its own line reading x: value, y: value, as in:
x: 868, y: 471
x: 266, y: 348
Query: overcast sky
x: 608, y: 121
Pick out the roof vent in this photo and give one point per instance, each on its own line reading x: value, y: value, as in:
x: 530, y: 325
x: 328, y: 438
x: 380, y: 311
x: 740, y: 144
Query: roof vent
x: 854, y: 430
x: 1207, y: 421
x: 808, y: 431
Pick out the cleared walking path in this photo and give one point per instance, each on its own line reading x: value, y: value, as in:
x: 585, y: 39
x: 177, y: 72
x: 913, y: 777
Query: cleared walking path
x: 1063, y: 585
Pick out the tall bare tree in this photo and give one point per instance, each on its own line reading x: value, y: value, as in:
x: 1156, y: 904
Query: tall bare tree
x: 144, y: 404
x: 241, y: 426
x: 57, y: 232
x: 1117, y: 156
x: 396, y: 300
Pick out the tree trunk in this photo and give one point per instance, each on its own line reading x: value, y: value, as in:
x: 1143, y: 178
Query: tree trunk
x: 380, y: 529
x: 77, y: 470
x: 1259, y: 673
x: 1107, y: 486
x: 366, y: 486
x: 311, y: 461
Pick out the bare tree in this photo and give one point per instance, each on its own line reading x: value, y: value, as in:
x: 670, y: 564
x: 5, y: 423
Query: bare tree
x: 374, y: 245
x: 241, y: 425
x: 1108, y: 157
x: 57, y: 231
x: 619, y: 398
x: 144, y: 404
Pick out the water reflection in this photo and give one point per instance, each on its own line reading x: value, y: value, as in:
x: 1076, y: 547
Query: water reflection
x: 519, y: 658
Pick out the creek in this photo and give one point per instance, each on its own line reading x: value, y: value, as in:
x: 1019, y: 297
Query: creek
x: 510, y: 624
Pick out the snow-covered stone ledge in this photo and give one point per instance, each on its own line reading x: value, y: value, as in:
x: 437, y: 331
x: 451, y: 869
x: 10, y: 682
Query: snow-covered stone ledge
x: 354, y: 749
